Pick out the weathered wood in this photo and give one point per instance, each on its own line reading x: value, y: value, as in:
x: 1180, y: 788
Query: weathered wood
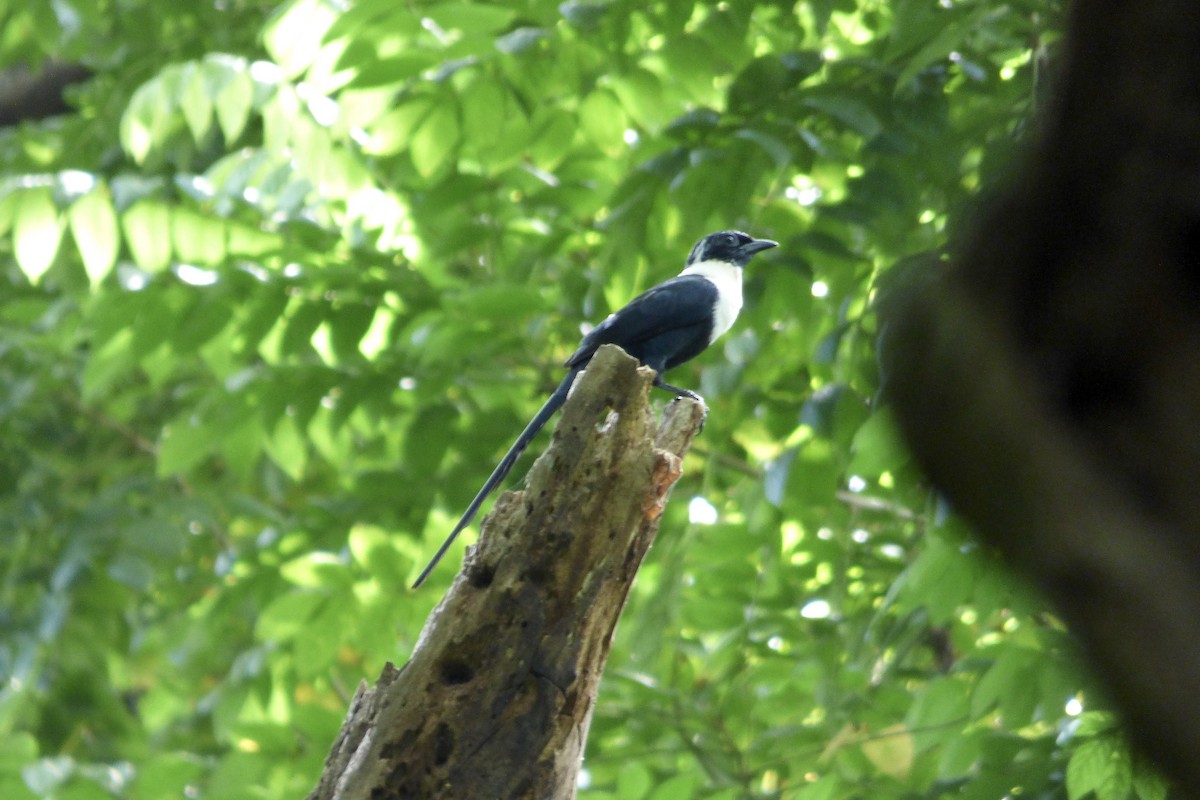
x: 1050, y: 382
x: 496, y: 700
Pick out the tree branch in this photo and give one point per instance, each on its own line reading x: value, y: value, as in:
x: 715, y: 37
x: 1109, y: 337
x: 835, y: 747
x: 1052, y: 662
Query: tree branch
x: 498, y: 695
x: 29, y: 95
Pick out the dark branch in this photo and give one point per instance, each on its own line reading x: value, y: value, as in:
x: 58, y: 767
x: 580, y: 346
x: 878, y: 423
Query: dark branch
x: 28, y: 95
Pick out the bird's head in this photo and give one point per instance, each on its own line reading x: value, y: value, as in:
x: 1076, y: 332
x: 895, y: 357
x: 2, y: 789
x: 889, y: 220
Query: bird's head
x: 732, y: 247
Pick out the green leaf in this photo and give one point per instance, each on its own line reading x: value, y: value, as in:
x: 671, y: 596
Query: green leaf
x: 295, y: 32
x: 954, y: 33
x: 392, y: 70
x: 634, y: 782
x: 759, y: 85
x: 553, y: 136
x: 288, y: 615
x: 167, y: 775
x: 348, y: 324
x: 392, y: 132
x: 1009, y: 683
x: 10, y: 201
x: 436, y: 139
x: 604, y: 121
x: 877, y: 447
x: 233, y: 104
x: 641, y: 94
x: 203, y: 321
x: 373, y: 549
x: 433, y: 425
x: 198, y: 238
x: 286, y: 447
x: 252, y: 242
x: 37, y: 233
x: 184, y: 442
x: 943, y: 701
x: 772, y: 146
x: 941, y: 580
x: 1118, y: 781
x: 824, y: 789
x: 147, y: 226
x: 679, y: 787
x: 847, y: 108
x: 1094, y: 723
x: 470, y: 18
x: 138, y: 123
x: 16, y: 749
x: 94, y: 225
x: 317, y: 570
x: 497, y: 301
x: 1148, y: 784
x: 1099, y: 766
x: 195, y: 101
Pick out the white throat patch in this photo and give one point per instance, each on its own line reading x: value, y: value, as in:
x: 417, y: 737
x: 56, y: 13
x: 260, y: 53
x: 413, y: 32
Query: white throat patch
x: 728, y: 280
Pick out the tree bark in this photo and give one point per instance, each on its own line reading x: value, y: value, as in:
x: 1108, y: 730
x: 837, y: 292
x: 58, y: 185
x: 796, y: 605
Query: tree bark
x: 496, y: 700
x: 1049, y: 383
x: 29, y: 95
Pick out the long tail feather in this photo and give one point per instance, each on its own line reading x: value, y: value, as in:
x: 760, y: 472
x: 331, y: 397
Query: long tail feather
x: 502, y: 469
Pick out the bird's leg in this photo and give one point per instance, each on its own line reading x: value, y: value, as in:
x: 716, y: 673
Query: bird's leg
x: 660, y: 383
x: 680, y: 392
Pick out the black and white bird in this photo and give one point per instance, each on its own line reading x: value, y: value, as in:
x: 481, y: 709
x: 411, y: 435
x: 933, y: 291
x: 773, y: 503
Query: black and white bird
x: 662, y: 328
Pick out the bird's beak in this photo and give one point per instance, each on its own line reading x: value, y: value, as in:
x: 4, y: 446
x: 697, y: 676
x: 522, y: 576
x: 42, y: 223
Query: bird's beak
x: 757, y: 246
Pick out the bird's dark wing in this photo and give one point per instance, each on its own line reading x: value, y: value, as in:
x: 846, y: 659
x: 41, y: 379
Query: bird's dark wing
x: 685, y: 301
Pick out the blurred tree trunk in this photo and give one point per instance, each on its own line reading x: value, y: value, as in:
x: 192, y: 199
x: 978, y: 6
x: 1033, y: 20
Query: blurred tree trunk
x: 1050, y: 381
x: 26, y: 94
x: 498, y: 695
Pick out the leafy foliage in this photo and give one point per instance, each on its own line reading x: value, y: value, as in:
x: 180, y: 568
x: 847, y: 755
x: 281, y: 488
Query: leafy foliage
x: 278, y: 294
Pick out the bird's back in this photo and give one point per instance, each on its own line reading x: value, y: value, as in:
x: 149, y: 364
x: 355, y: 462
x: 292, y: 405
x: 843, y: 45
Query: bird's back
x: 663, y: 327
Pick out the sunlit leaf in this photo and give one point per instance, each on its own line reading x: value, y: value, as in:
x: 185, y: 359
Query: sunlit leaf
x: 184, y: 442
x: 233, y: 103
x: 641, y: 94
x: 37, y: 233
x: 197, y: 238
x: 294, y: 33
x: 196, y: 104
x: 147, y: 227
x: 891, y: 751
x: 94, y: 226
x: 471, y: 18
x: 604, y: 120
x: 436, y: 138
x: 392, y: 132
x: 316, y: 570
x: 877, y: 447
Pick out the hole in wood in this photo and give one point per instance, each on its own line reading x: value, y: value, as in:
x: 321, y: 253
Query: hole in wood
x: 443, y: 745
x: 537, y: 575
x: 455, y: 672
x: 609, y: 419
x: 480, y: 577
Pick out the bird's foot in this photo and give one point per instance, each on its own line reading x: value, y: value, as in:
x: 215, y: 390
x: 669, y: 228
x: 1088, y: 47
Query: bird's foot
x: 679, y: 391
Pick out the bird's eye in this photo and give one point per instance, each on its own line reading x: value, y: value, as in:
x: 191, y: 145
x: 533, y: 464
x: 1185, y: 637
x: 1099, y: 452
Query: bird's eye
x: 731, y: 240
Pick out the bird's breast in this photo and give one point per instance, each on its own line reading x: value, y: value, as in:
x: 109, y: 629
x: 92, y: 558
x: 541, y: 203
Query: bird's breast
x: 728, y: 280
